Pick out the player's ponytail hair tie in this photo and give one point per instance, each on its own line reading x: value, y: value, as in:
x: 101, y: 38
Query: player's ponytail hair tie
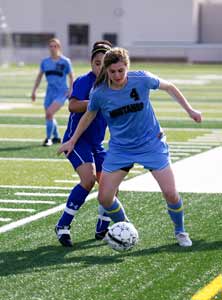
x: 100, y: 47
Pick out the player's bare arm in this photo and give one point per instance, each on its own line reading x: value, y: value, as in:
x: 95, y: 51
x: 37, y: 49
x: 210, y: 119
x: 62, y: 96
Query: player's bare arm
x: 36, y: 85
x: 175, y: 93
x: 78, y: 106
x: 84, y: 123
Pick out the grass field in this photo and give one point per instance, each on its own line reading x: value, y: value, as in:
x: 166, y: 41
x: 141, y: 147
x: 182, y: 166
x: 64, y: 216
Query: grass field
x: 33, y: 179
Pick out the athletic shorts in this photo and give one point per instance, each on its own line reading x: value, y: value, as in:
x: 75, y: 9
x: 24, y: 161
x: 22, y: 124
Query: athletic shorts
x: 58, y: 96
x: 87, y: 153
x: 157, y: 159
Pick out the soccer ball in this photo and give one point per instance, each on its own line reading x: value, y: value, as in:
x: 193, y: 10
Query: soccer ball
x: 122, y: 236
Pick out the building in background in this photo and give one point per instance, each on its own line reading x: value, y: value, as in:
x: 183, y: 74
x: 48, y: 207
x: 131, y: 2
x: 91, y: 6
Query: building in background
x: 188, y: 30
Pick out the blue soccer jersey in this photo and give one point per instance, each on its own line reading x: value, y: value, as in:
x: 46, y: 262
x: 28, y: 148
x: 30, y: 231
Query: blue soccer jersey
x: 129, y: 114
x: 56, y: 72
x: 95, y: 133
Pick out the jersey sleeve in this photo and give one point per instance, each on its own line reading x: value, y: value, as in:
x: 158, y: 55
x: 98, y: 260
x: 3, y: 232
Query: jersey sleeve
x: 93, y: 104
x: 42, y: 69
x: 78, y: 90
x: 69, y: 66
x: 153, y: 82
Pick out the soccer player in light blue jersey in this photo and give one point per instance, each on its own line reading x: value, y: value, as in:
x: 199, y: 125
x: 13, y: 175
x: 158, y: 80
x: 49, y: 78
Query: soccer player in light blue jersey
x: 56, y: 68
x: 88, y: 155
x: 135, y: 134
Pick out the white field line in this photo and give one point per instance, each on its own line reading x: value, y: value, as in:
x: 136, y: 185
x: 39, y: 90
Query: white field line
x: 20, y: 140
x: 182, y: 153
x: 172, y: 146
x: 190, y: 142
x: 173, y: 110
x: 31, y: 115
x: 66, y: 116
x: 17, y: 209
x: 135, y: 171
x: 42, y: 194
x: 38, y: 216
x: 26, y: 201
x: 187, y: 149
x: 66, y: 181
x: 5, y: 219
x: 64, y: 127
x: 35, y: 159
x: 35, y: 187
x: 185, y: 118
x: 28, y: 126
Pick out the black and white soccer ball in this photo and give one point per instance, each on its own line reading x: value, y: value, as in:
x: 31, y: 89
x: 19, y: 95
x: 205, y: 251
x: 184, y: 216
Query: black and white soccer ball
x: 122, y: 236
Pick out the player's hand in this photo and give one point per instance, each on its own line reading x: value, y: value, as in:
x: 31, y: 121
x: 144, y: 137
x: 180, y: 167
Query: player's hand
x: 66, y: 148
x: 196, y: 115
x: 33, y: 97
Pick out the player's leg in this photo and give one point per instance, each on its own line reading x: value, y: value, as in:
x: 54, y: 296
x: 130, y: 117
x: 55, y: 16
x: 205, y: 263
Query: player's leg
x: 108, y: 186
x: 51, y: 125
x: 103, y: 220
x: 166, y: 181
x: 87, y: 175
x: 75, y: 200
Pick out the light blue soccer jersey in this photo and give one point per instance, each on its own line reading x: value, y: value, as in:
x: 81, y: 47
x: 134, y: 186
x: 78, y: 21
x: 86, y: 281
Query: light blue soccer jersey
x: 56, y: 72
x: 128, y: 112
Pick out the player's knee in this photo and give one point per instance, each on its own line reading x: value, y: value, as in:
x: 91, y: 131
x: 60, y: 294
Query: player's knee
x: 89, y: 183
x: 171, y: 196
x: 104, y: 199
x: 49, y: 115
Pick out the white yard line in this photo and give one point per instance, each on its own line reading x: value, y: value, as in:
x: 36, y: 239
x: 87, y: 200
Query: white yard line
x: 5, y: 219
x: 33, y: 187
x: 26, y: 201
x: 66, y: 181
x: 30, y: 115
x: 17, y: 209
x: 38, y: 216
x: 19, y: 140
x: 34, y: 159
x: 26, y: 126
x: 42, y: 194
x: 189, y: 150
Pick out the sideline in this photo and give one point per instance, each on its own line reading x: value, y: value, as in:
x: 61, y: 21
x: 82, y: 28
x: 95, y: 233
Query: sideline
x: 200, y: 173
x: 210, y: 290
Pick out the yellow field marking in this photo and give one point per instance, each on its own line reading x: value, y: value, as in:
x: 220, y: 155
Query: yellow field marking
x: 210, y: 290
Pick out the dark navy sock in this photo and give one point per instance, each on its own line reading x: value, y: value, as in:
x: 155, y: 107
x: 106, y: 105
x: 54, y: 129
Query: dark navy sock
x: 74, y: 202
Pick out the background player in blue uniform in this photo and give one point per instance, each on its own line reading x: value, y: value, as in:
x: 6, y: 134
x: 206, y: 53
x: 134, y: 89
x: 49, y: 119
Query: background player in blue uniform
x: 135, y: 134
x: 88, y: 155
x: 56, y: 69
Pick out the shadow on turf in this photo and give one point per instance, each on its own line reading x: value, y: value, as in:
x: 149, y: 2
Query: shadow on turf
x: 17, y: 148
x: 198, y: 246
x: 17, y: 262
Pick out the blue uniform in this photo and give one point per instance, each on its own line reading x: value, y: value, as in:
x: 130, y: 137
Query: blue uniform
x: 135, y: 133
x: 56, y: 72
x: 89, y: 146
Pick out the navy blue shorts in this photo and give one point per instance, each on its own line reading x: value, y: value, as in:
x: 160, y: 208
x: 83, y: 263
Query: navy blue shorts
x: 84, y: 152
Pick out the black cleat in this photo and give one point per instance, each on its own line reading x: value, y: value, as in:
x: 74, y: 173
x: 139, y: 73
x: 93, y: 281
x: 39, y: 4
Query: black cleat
x: 63, y: 235
x: 56, y: 140
x: 47, y: 143
x: 100, y: 235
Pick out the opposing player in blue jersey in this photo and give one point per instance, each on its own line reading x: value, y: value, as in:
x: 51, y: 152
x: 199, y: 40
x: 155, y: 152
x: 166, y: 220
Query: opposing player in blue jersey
x: 56, y: 68
x: 135, y: 134
x: 88, y: 154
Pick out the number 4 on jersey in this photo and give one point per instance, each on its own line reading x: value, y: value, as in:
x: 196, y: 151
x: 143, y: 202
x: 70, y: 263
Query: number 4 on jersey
x: 134, y: 94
